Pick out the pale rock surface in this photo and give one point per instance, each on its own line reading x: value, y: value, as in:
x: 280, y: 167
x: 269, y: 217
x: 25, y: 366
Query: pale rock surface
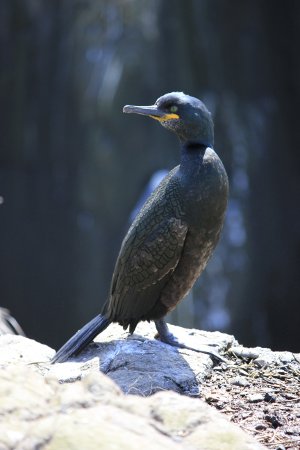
x: 141, y: 365
x: 74, y: 405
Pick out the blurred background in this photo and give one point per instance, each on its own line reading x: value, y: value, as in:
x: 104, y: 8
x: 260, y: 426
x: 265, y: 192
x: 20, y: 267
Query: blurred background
x: 73, y: 167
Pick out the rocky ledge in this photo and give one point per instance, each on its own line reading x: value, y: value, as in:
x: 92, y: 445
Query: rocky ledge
x: 135, y: 392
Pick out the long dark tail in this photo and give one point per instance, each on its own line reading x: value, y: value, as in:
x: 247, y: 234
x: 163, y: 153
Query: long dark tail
x: 81, y: 339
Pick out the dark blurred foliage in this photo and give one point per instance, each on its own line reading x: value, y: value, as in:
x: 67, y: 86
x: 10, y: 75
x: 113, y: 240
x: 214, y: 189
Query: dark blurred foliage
x: 72, y: 167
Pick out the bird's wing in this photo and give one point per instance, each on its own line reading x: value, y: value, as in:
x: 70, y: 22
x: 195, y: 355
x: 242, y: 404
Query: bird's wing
x: 144, y: 264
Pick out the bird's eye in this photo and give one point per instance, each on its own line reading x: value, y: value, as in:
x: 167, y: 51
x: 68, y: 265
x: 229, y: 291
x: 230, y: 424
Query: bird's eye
x: 173, y: 109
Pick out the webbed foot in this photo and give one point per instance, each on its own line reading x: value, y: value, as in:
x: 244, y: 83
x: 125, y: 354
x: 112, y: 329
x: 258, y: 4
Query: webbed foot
x: 164, y: 335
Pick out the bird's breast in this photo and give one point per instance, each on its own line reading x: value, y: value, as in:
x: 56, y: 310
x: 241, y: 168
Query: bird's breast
x: 205, y: 193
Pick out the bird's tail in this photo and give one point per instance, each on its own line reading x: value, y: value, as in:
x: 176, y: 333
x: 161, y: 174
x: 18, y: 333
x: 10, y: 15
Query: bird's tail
x: 81, y: 339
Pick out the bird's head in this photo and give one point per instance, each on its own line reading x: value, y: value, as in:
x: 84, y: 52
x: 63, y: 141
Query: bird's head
x: 187, y: 116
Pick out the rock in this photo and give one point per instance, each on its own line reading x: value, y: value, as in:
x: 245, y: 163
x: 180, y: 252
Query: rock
x: 274, y: 420
x: 255, y: 398
x: 93, y: 413
x: 270, y: 397
x: 264, y: 356
x: 242, y: 352
x: 142, y: 365
x: 240, y: 381
x: 75, y: 406
x: 15, y: 349
x: 260, y: 427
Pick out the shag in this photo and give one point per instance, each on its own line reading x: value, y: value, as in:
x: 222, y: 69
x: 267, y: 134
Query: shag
x: 174, y: 234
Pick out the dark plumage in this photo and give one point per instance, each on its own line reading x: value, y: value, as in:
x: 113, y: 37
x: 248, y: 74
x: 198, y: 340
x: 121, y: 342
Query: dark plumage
x: 174, y: 234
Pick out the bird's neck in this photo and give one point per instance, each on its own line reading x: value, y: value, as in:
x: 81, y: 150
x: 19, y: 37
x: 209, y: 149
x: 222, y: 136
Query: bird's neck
x: 191, y: 156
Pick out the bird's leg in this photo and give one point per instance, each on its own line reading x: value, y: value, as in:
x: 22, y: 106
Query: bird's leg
x: 164, y: 335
